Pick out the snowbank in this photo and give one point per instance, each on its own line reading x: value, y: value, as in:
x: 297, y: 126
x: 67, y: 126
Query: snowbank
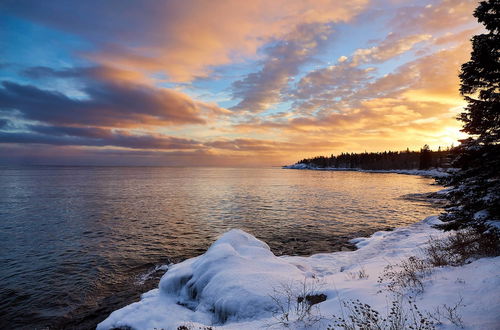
x: 435, y: 172
x: 231, y: 285
x: 236, y: 266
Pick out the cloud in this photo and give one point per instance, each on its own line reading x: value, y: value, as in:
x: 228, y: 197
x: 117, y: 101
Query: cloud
x: 389, y: 48
x: 417, y: 102
x: 64, y: 136
x: 343, y: 85
x: 253, y: 145
x: 99, y: 137
x: 117, y: 150
x: 444, y: 15
x: 184, y: 39
x: 111, y: 113
x: 322, y: 88
x: 433, y: 77
x: 67, y: 155
x: 107, y: 103
x: 266, y: 87
x: 117, y: 107
x: 459, y: 37
x: 260, y: 90
x: 4, y: 123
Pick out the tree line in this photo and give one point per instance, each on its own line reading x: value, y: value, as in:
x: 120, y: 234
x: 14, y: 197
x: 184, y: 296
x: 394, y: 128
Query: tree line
x: 387, y: 160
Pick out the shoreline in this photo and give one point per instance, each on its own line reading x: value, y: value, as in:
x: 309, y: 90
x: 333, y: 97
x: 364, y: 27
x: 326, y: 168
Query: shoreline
x: 229, y: 286
x: 433, y: 198
x: 338, y: 220
x: 435, y: 172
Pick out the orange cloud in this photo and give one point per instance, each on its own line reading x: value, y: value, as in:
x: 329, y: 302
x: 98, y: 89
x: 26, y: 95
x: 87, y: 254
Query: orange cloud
x: 189, y: 38
x: 392, y: 46
x: 347, y: 106
x: 445, y: 15
x: 416, y: 104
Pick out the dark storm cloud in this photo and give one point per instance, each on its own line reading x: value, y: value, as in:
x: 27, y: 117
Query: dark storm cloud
x: 4, y: 123
x: 107, y: 102
x: 87, y: 132
x: 103, y: 116
x: 67, y: 136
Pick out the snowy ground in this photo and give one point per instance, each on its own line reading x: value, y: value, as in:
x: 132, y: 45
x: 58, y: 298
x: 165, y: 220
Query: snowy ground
x: 238, y: 282
x: 436, y: 172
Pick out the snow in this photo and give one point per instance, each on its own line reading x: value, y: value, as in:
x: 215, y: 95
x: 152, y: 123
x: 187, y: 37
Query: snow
x: 434, y: 172
x: 481, y: 215
x: 237, y: 265
x: 233, y: 284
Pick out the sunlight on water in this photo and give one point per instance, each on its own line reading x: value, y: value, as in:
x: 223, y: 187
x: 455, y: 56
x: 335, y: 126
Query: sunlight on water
x: 72, y: 237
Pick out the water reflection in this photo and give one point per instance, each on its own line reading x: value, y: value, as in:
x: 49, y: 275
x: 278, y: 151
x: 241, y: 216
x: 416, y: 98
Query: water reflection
x: 71, y: 237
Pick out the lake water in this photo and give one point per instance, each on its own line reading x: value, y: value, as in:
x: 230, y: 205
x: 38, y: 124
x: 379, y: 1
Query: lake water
x: 79, y: 242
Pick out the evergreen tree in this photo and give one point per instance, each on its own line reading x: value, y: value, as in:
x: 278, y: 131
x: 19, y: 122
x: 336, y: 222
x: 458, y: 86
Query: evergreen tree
x: 425, y: 158
x: 474, y: 200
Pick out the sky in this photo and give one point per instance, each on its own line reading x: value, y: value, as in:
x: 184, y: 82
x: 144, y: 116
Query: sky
x: 228, y: 83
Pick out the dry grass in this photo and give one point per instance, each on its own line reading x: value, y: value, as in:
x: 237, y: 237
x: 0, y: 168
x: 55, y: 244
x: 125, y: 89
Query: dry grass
x: 295, y: 302
x: 405, y: 276
x: 361, y: 274
x: 461, y: 247
x: 450, y: 313
x: 402, y: 314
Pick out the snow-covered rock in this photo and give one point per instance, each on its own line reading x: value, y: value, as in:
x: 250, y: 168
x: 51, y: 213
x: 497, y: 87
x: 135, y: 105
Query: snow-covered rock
x: 237, y: 265
x: 299, y: 166
x: 434, y: 172
x: 231, y: 285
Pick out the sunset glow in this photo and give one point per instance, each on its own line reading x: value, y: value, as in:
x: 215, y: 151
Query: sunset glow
x: 228, y: 83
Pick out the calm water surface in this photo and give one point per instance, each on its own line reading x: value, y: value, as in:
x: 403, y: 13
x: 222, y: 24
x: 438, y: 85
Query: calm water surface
x: 79, y: 242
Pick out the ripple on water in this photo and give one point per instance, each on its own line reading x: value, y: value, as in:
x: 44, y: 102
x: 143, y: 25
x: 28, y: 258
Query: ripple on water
x: 79, y: 242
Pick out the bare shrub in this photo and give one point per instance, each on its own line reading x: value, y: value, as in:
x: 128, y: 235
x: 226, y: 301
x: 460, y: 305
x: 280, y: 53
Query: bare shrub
x: 402, y: 314
x: 296, y: 302
x: 361, y: 274
x: 406, y: 275
x: 462, y: 247
x: 450, y: 313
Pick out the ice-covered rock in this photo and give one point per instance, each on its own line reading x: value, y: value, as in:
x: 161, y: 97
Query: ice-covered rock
x: 237, y: 265
x: 299, y: 166
x: 232, y: 281
x: 231, y: 284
